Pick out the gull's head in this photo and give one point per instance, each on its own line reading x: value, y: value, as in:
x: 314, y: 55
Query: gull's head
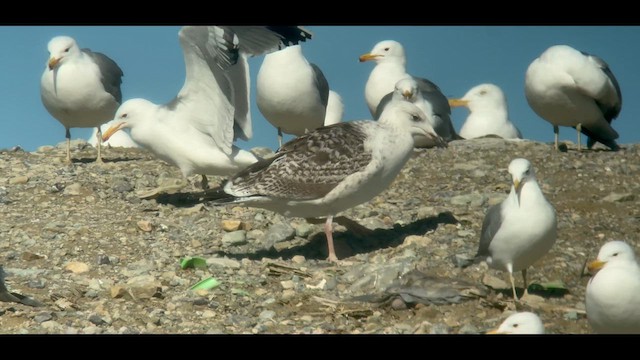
x: 388, y: 50
x: 521, y: 171
x: 61, y: 48
x: 612, y: 252
x: 481, y: 96
x: 406, y: 89
x: 130, y: 113
x: 406, y: 115
x: 520, y: 323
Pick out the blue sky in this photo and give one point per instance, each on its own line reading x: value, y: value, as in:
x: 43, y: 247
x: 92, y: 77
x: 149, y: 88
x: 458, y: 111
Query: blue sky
x: 454, y: 57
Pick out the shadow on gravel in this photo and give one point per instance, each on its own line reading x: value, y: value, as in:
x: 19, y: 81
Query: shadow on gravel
x: 351, y: 242
x: 89, y: 160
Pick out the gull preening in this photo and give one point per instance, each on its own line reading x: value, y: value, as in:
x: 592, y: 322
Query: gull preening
x: 330, y: 169
x: 567, y: 87
x: 291, y: 92
x: 390, y: 59
x: 521, y: 229
x: 613, y: 293
x: 197, y: 129
x: 488, y: 114
x: 520, y: 323
x: 80, y: 87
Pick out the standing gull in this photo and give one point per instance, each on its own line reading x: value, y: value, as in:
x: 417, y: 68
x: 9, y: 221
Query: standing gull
x: 407, y: 89
x: 521, y: 229
x: 613, y: 293
x: 291, y: 93
x: 196, y: 130
x: 390, y: 67
x: 567, y: 87
x: 330, y: 169
x: 488, y: 113
x: 520, y: 323
x: 79, y: 87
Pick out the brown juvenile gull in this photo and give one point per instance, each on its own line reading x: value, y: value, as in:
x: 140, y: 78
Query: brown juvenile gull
x: 613, y: 293
x: 330, y: 169
x: 79, y: 87
x: 196, y: 130
x: 291, y: 92
x: 390, y: 59
x: 488, y: 113
x: 521, y: 229
x: 567, y: 87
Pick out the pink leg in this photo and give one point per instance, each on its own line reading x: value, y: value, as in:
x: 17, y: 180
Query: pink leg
x: 328, y: 230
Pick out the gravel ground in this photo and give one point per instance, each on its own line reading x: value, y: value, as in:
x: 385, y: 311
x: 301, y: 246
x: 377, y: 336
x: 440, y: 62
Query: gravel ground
x: 78, y: 240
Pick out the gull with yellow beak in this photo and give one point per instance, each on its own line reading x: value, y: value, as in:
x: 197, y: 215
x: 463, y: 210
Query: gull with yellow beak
x: 488, y: 113
x: 197, y: 129
x: 408, y: 89
x: 520, y: 323
x: 521, y: 229
x: 613, y: 293
x: 390, y: 59
x: 79, y: 87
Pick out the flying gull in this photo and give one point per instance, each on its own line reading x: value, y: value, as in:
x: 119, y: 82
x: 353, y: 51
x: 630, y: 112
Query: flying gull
x: 567, y: 87
x: 330, y: 169
x: 80, y: 87
x: 488, y: 113
x: 196, y: 130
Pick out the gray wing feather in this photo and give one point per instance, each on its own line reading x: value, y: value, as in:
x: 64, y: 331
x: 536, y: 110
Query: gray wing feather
x: 382, y: 104
x: 490, y: 226
x: 610, y: 111
x: 308, y: 167
x: 111, y: 73
x: 322, y: 84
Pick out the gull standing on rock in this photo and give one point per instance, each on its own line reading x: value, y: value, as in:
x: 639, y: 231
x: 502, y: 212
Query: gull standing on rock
x: 567, y: 87
x: 521, y: 229
x: 613, y: 293
x: 330, y: 169
x: 79, y: 87
x: 196, y: 130
x: 390, y: 60
x: 291, y: 93
x: 488, y: 113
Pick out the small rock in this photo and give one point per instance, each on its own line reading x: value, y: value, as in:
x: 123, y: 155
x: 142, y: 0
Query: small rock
x: 97, y: 320
x: 279, y: 232
x: 419, y: 241
x: 267, y: 315
x: 145, y: 225
x: 73, y: 189
x: 29, y: 256
x: 103, y: 260
x: 144, y: 287
x: 117, y: 291
x: 77, y: 267
x: 288, y: 294
x: 37, y: 284
x: 19, y: 180
x: 238, y: 237
x: 298, y: 259
x: 122, y: 186
x: 304, y: 229
x: 495, y: 283
x: 223, y: 262
x: 42, y: 317
x: 231, y: 225
x: 287, y: 284
x: 571, y: 316
x: 615, y: 197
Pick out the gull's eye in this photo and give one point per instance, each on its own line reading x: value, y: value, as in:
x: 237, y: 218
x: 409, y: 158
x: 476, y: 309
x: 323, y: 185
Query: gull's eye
x: 415, y: 118
x: 616, y: 254
x: 67, y: 49
x: 482, y: 92
x: 386, y: 49
x: 124, y: 116
x: 515, y: 325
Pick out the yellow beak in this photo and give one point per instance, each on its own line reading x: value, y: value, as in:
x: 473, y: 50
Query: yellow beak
x: 458, y: 102
x: 368, y: 56
x: 112, y: 130
x: 407, y: 94
x: 53, y: 62
x: 595, y: 265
